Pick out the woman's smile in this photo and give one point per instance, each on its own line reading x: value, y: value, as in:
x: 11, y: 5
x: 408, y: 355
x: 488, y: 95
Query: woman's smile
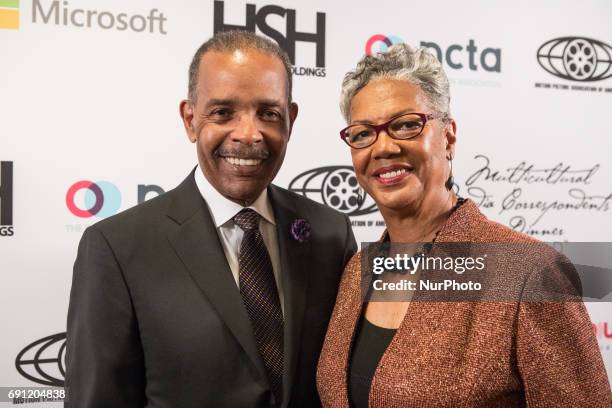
x: 392, y: 174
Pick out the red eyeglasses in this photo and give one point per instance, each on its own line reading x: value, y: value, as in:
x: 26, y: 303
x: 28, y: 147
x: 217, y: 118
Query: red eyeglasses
x: 402, y: 127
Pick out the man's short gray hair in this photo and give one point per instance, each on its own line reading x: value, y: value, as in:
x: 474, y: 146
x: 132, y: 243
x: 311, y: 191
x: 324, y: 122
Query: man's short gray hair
x: 401, y: 62
x: 230, y: 41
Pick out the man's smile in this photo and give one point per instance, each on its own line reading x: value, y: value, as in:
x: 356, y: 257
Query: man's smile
x: 243, y: 162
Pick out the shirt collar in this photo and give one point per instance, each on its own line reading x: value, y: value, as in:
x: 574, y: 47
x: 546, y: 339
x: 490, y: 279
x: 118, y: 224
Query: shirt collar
x: 223, y: 209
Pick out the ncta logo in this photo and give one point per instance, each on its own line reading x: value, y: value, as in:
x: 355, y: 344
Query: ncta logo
x: 6, y: 199
x: 454, y: 55
x: 257, y: 19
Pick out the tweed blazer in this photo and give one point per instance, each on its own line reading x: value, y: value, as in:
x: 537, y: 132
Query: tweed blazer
x: 471, y: 354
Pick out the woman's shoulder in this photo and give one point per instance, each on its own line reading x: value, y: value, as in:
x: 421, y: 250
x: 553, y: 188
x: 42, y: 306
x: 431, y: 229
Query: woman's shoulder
x: 352, y: 270
x: 495, y: 231
x: 469, y: 224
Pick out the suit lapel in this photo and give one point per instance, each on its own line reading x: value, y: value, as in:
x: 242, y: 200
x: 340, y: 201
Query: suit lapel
x: 197, y: 244
x: 295, y: 276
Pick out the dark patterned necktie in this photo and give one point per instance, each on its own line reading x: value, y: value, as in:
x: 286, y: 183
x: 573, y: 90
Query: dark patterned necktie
x: 260, y: 297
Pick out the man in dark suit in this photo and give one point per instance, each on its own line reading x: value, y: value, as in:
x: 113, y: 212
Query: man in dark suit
x: 217, y: 293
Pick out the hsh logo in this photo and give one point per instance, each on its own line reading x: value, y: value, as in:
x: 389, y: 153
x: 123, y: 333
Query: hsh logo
x: 257, y: 19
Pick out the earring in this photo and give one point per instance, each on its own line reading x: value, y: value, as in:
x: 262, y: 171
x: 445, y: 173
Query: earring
x: 361, y: 195
x: 450, y: 182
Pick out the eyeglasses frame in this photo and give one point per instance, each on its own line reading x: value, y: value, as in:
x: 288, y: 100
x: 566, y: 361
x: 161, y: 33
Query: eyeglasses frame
x: 385, y: 126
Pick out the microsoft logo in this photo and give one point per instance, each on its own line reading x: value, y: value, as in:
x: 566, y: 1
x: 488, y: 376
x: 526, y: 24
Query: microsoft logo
x: 9, y: 14
x: 60, y: 13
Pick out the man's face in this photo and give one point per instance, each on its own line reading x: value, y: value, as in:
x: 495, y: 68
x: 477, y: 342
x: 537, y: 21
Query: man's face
x: 241, y: 121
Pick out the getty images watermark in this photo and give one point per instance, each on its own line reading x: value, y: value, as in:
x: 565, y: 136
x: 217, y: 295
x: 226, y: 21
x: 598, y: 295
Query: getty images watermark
x: 501, y: 271
x: 404, y: 264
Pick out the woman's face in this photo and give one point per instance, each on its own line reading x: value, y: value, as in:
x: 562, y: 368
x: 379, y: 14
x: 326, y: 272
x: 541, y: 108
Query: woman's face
x: 401, y: 175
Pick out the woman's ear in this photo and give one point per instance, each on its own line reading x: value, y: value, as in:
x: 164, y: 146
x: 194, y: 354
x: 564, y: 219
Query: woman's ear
x: 451, y: 137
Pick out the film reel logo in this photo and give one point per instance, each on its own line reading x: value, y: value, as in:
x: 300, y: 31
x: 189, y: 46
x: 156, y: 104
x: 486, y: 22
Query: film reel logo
x: 336, y: 187
x: 43, y: 361
x: 380, y: 43
x: 576, y: 58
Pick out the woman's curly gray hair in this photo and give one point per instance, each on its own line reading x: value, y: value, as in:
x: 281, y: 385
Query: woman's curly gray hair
x: 401, y: 62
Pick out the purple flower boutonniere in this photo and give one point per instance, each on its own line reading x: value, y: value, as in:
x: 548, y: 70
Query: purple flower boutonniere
x: 300, y: 230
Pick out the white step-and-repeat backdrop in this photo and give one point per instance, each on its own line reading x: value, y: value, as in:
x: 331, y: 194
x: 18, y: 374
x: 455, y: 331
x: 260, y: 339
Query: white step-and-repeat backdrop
x: 89, y: 94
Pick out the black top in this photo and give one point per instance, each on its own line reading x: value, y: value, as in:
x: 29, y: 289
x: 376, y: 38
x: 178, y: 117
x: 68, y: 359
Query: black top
x: 370, y: 344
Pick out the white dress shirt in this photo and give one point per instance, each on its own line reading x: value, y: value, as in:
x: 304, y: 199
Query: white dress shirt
x: 223, y: 211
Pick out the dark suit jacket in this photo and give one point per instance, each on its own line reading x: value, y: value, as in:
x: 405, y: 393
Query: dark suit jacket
x: 156, y: 318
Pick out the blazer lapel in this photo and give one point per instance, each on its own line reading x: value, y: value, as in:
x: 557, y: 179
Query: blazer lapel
x: 197, y: 244
x: 295, y: 276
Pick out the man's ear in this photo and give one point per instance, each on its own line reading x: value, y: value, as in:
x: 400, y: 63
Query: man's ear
x: 186, y: 110
x: 293, y: 112
x: 451, y: 138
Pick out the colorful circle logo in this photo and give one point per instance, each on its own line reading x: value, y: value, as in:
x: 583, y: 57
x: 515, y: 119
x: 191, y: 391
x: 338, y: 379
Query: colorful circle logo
x: 101, y: 199
x: 380, y: 43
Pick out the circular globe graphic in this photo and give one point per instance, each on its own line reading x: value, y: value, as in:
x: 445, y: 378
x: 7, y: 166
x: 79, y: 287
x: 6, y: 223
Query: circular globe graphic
x: 43, y: 361
x: 576, y: 58
x: 336, y: 187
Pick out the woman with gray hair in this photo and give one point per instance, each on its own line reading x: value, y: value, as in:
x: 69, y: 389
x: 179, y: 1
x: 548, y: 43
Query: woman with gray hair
x: 429, y: 354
